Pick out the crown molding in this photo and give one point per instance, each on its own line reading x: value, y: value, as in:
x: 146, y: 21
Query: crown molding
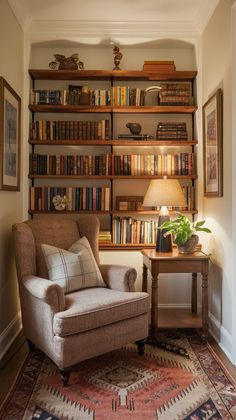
x: 204, y: 14
x: 125, y: 32
x: 21, y: 12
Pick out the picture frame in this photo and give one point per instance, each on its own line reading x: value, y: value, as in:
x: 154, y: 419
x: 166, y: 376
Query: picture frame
x: 213, y: 145
x: 10, y: 137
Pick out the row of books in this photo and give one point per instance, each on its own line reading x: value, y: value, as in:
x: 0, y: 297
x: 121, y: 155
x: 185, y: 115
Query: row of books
x: 126, y: 96
x: 127, y: 230
x: 175, y: 94
x: 167, y: 130
x: 163, y: 164
x: 97, y: 97
x: 170, y: 94
x: 88, y: 198
x: 78, y: 199
x: 189, y: 194
x: 70, y: 130
x: 117, y: 96
x: 70, y: 164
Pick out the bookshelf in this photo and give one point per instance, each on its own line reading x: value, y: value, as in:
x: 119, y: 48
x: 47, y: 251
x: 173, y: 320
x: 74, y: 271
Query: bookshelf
x: 112, y: 143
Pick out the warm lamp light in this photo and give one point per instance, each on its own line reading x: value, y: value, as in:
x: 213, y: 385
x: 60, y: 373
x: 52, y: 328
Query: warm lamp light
x: 164, y: 193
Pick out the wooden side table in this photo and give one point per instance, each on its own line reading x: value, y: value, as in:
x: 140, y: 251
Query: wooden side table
x: 174, y: 262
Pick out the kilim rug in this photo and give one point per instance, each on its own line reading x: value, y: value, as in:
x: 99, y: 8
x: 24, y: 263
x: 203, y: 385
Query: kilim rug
x: 179, y: 378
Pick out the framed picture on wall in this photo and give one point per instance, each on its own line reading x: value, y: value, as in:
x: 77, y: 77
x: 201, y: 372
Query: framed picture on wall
x: 10, y: 137
x: 213, y: 145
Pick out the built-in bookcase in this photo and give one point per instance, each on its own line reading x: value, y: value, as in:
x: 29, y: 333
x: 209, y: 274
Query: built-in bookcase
x: 77, y: 152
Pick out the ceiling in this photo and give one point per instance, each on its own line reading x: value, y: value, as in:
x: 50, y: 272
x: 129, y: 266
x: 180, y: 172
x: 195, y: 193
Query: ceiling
x: 109, y: 18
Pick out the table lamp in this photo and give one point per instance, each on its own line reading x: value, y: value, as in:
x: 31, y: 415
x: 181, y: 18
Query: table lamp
x: 162, y: 193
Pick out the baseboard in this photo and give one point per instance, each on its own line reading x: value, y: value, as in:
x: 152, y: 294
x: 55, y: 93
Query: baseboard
x: 9, y: 334
x: 221, y: 336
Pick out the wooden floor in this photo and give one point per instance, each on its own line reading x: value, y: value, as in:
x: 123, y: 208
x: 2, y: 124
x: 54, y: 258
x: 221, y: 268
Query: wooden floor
x: 15, y: 357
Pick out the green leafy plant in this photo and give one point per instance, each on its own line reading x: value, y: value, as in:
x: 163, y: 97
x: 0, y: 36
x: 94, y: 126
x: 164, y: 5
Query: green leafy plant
x: 182, y: 228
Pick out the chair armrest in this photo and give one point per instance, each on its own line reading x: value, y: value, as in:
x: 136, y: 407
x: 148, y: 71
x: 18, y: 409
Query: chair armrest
x: 45, y: 290
x: 119, y: 277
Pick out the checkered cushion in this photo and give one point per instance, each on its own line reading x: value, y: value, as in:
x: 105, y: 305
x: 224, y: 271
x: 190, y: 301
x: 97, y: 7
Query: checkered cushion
x: 73, y: 269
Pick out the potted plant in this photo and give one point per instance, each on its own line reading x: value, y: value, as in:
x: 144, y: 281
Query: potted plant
x: 184, y: 232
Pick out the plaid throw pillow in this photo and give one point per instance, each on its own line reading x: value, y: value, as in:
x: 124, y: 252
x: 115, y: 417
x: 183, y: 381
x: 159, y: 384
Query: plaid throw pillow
x: 73, y: 269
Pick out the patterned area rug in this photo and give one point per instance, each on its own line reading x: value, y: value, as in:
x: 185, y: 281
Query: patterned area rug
x: 179, y: 378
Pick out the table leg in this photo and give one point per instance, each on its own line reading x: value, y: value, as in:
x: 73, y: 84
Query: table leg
x: 154, y: 309
x: 144, y: 283
x: 204, y: 307
x: 194, y: 293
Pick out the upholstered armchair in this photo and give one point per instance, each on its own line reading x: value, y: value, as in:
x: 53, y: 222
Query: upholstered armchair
x: 71, y: 327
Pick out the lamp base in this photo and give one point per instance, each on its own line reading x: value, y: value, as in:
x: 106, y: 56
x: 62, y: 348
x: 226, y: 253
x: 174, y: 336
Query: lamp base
x: 163, y: 244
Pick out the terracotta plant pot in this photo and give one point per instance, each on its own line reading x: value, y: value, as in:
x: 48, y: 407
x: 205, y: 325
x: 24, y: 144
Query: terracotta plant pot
x: 189, y: 246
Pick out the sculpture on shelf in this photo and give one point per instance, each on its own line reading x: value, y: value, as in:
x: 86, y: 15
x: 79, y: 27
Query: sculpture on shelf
x: 60, y: 202
x: 117, y: 58
x: 135, y: 128
x: 152, y: 89
x: 66, y: 63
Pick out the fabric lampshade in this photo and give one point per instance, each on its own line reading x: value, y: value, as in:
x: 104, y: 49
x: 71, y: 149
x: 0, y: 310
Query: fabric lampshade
x: 164, y: 193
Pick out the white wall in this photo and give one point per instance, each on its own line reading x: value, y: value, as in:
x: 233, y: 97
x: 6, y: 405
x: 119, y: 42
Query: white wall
x: 11, y: 68
x: 216, y: 73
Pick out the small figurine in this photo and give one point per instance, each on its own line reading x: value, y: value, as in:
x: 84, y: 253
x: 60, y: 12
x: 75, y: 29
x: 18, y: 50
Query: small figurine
x: 60, y: 203
x: 117, y: 58
x: 66, y: 63
x: 135, y: 128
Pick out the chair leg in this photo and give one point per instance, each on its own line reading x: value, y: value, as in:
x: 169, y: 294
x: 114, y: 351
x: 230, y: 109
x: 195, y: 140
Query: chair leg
x: 30, y: 344
x: 65, y: 375
x: 141, y: 346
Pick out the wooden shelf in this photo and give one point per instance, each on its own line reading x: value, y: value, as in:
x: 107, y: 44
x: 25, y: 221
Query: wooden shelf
x: 149, y: 212
x: 110, y: 75
x: 68, y: 212
x: 178, y: 318
x: 115, y: 110
x: 123, y: 247
x: 131, y: 177
x: 157, y: 143
x: 114, y: 212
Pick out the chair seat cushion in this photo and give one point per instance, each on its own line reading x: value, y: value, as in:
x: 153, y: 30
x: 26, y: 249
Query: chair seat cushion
x: 95, y: 307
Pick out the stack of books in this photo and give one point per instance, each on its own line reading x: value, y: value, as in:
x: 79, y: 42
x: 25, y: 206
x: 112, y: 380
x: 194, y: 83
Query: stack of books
x: 178, y: 94
x: 104, y: 237
x: 159, y: 66
x: 170, y: 130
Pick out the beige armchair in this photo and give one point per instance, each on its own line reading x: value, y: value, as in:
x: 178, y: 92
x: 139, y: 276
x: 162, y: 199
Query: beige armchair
x: 82, y: 324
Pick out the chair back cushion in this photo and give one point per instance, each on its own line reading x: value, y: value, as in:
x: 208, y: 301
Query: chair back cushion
x: 56, y: 232
x: 51, y: 230
x: 73, y: 269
